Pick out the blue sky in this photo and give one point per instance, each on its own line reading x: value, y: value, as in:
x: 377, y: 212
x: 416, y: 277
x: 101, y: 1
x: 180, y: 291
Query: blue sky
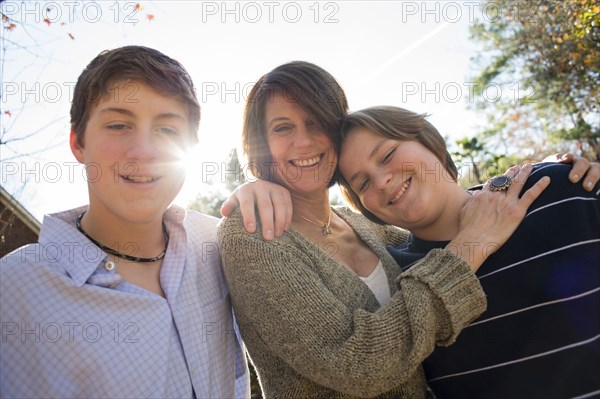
x: 410, y: 54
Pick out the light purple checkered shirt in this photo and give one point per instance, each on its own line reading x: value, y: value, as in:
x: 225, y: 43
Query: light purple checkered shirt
x: 70, y: 328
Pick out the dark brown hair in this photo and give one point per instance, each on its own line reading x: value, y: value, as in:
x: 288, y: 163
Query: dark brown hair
x: 309, y: 85
x: 397, y: 124
x: 132, y: 64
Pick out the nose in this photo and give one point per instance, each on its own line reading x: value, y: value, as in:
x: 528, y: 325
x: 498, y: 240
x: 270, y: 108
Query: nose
x: 143, y: 146
x: 303, y: 137
x: 382, y: 180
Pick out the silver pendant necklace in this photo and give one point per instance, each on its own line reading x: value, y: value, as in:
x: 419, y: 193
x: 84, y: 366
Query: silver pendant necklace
x: 324, y: 228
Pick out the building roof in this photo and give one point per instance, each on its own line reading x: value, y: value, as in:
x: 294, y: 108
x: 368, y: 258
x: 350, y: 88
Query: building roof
x: 23, y: 214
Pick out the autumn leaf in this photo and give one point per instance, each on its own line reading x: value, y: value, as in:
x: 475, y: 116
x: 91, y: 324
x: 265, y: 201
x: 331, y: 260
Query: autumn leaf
x: 138, y: 7
x: 46, y: 20
x: 150, y: 17
x: 5, y: 18
x: 8, y: 113
x: 514, y: 117
x: 10, y: 27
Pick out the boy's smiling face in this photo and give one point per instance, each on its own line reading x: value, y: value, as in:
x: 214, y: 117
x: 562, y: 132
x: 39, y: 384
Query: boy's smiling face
x: 399, y: 181
x: 134, y: 146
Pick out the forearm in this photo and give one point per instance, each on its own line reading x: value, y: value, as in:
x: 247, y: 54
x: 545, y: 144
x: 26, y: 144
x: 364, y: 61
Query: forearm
x: 473, y: 249
x: 449, y: 277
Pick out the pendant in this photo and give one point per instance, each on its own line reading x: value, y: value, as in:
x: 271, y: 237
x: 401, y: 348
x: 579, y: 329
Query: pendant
x: 326, y: 230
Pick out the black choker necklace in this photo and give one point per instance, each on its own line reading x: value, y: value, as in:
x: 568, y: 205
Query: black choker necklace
x: 119, y: 254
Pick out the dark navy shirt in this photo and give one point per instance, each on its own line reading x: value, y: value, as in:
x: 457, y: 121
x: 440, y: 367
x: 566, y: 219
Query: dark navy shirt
x: 540, y: 336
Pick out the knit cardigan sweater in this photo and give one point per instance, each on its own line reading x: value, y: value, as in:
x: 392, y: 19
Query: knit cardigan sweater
x: 313, y: 329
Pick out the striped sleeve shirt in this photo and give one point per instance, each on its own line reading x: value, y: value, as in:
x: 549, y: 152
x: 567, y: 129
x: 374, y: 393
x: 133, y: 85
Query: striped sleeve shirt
x: 540, y: 336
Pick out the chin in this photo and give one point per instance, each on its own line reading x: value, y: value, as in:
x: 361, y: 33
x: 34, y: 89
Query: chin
x: 140, y: 212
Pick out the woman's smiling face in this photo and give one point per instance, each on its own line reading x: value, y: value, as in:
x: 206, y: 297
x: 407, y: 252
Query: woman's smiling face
x: 303, y: 157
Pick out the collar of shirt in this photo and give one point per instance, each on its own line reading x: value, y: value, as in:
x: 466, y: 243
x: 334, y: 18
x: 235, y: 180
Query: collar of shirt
x: 64, y: 247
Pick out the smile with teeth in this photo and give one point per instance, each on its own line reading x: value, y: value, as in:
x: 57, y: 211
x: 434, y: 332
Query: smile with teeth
x: 401, y: 192
x: 307, y: 162
x: 140, y: 179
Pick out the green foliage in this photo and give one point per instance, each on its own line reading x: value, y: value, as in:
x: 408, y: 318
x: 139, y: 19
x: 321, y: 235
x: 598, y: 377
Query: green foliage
x: 209, y: 201
x: 476, y: 164
x: 545, y: 57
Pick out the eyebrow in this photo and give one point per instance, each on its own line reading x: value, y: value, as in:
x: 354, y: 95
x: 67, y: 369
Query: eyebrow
x: 279, y: 118
x: 126, y: 112
x: 122, y: 111
x: 371, y: 155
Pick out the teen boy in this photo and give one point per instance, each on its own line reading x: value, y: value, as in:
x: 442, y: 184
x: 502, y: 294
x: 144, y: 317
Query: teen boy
x: 540, y: 334
x: 124, y: 297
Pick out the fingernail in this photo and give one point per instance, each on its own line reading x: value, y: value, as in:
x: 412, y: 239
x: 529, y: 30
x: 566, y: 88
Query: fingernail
x: 588, y: 185
x: 269, y: 234
x: 574, y: 177
x: 251, y: 226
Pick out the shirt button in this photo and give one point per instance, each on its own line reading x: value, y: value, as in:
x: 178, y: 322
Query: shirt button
x: 109, y: 266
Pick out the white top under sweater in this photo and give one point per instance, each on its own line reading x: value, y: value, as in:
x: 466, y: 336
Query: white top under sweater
x: 378, y: 283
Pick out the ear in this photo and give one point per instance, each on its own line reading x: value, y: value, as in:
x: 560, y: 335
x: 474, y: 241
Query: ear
x: 76, y: 148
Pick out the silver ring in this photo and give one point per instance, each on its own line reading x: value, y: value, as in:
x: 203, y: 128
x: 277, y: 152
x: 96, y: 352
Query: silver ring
x: 500, y: 183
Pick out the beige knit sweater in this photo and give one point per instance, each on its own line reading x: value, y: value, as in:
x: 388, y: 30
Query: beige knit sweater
x: 313, y: 329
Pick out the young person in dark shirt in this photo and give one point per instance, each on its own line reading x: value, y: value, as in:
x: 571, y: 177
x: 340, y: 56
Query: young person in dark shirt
x: 540, y: 336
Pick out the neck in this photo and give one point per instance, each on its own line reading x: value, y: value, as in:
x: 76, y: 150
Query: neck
x: 446, y: 225
x: 144, y: 240
x: 314, y: 206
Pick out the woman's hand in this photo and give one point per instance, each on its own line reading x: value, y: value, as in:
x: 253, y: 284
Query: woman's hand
x: 581, y: 168
x: 489, y: 218
x: 273, y: 202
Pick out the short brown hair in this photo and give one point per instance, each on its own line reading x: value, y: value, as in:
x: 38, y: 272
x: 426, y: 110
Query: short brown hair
x: 313, y: 88
x: 397, y: 124
x: 135, y: 64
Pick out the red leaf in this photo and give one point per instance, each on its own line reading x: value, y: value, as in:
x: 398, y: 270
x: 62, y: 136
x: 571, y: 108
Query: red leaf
x: 5, y: 18
x: 10, y: 27
x: 150, y: 17
x: 138, y: 7
x: 46, y: 20
x: 8, y: 113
